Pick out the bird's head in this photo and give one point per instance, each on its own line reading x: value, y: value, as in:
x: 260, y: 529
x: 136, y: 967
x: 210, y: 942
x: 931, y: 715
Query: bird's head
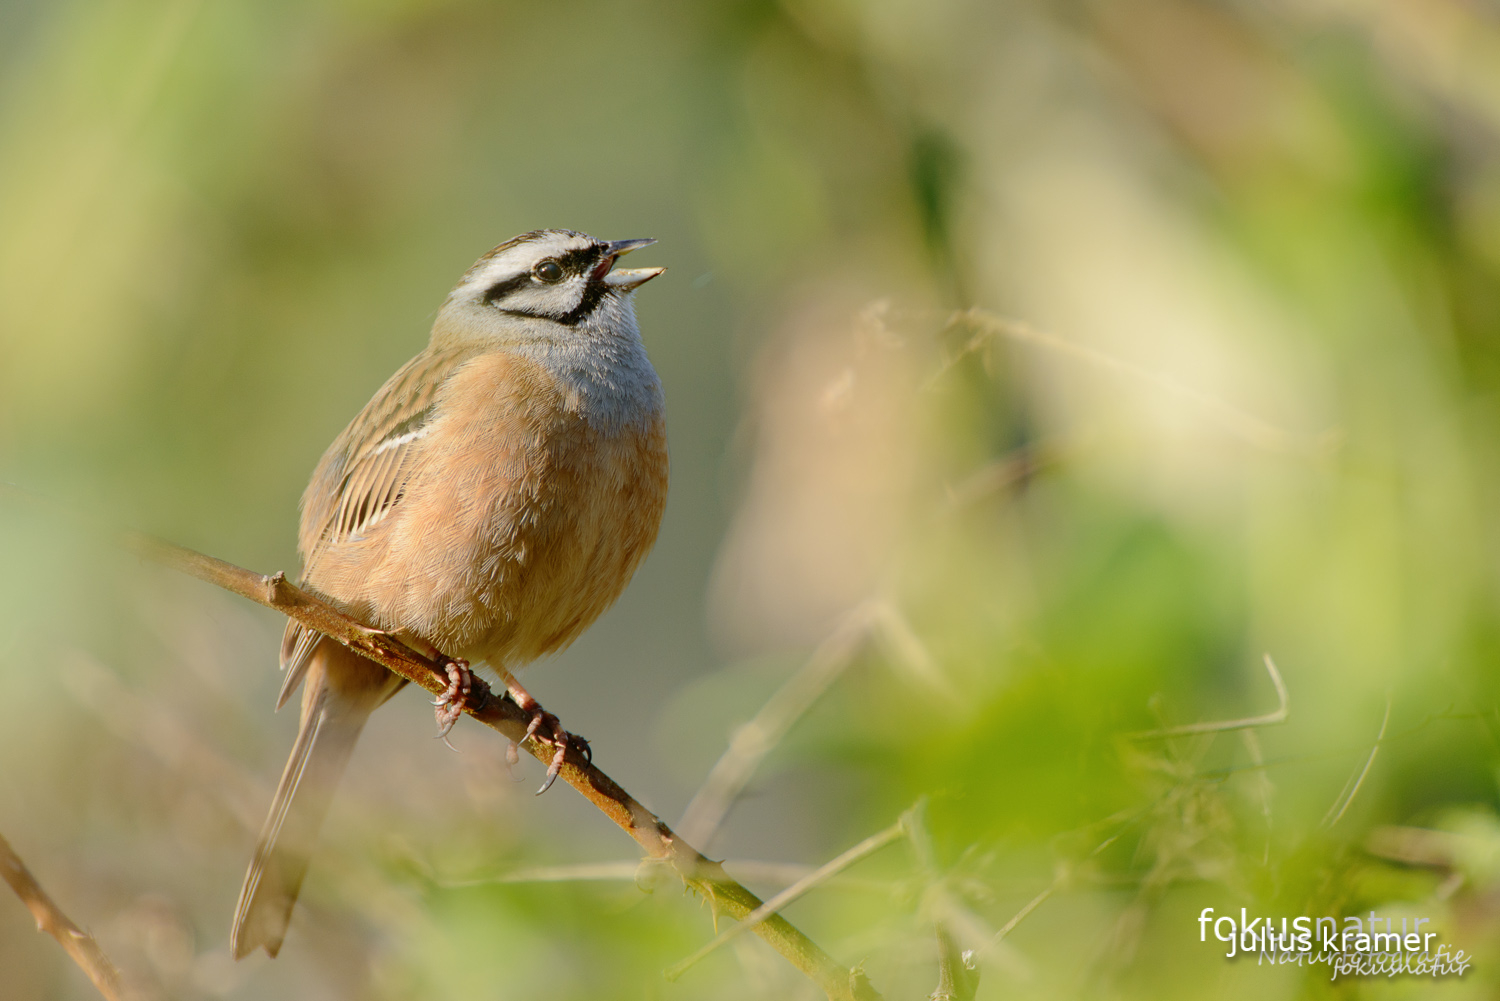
x: 553, y: 275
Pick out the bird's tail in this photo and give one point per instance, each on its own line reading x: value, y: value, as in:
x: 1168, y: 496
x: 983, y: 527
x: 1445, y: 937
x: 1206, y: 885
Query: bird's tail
x: 343, y: 688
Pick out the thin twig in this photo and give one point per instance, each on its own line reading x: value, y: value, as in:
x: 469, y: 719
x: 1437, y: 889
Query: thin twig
x: 582, y: 872
x: 1279, y: 716
x: 909, y: 655
x: 958, y: 979
x: 757, y: 738
x: 744, y: 870
x: 1445, y: 851
x: 1019, y: 466
x: 1421, y: 846
x: 1263, y: 786
x: 79, y: 944
x: 1243, y: 424
x: 1058, y: 880
x: 660, y: 843
x: 770, y: 908
x: 753, y: 741
x: 1347, y: 794
x: 141, y: 721
x: 1025, y: 912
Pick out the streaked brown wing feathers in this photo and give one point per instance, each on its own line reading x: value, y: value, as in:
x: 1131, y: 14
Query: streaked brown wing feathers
x: 363, y: 475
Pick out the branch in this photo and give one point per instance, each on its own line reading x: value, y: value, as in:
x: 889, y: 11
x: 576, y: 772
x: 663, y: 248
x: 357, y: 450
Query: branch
x: 1278, y: 715
x: 771, y: 908
x: 757, y: 738
x: 958, y: 980
x: 50, y: 919
x: 1346, y: 795
x: 1241, y: 423
x: 751, y: 743
x: 704, y: 876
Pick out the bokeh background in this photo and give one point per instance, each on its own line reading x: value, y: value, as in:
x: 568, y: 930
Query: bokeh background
x: 1232, y: 391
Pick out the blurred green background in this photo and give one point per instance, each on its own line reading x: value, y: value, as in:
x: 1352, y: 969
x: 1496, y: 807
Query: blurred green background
x: 1248, y: 404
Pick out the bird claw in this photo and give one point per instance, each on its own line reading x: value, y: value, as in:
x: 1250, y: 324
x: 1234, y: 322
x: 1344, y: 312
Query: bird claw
x: 450, y: 705
x: 562, y: 738
x: 555, y: 735
x: 543, y: 727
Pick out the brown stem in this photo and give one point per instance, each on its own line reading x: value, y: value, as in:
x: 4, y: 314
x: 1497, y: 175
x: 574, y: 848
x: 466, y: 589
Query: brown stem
x: 703, y: 875
x: 50, y: 919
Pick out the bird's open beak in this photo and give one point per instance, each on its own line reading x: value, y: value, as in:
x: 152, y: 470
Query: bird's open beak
x: 619, y: 248
x: 625, y: 279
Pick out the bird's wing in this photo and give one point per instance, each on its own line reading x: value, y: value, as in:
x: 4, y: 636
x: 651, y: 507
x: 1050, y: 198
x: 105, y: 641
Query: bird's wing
x: 359, y: 480
x: 363, y: 475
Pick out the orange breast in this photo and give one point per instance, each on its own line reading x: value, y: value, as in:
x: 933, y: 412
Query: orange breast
x: 521, y: 523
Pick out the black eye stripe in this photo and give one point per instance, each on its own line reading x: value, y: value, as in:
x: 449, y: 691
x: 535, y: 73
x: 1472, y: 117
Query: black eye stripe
x: 506, y: 286
x: 592, y: 294
x: 578, y: 261
x: 574, y: 262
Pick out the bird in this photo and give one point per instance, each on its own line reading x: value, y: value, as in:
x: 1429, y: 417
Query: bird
x: 491, y: 500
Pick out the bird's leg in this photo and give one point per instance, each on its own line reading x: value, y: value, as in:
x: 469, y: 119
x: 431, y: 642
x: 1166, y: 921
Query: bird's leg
x: 555, y: 734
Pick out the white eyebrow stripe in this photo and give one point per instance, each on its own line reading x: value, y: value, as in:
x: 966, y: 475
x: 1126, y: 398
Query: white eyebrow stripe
x: 400, y: 439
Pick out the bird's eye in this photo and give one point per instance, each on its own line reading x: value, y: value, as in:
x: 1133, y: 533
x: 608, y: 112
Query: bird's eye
x: 548, y: 271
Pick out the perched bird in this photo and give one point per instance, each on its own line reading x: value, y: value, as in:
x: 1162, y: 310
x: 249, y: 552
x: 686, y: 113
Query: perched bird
x: 489, y: 503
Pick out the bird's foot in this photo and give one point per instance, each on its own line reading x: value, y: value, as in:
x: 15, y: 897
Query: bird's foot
x: 546, y: 727
x: 450, y: 705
